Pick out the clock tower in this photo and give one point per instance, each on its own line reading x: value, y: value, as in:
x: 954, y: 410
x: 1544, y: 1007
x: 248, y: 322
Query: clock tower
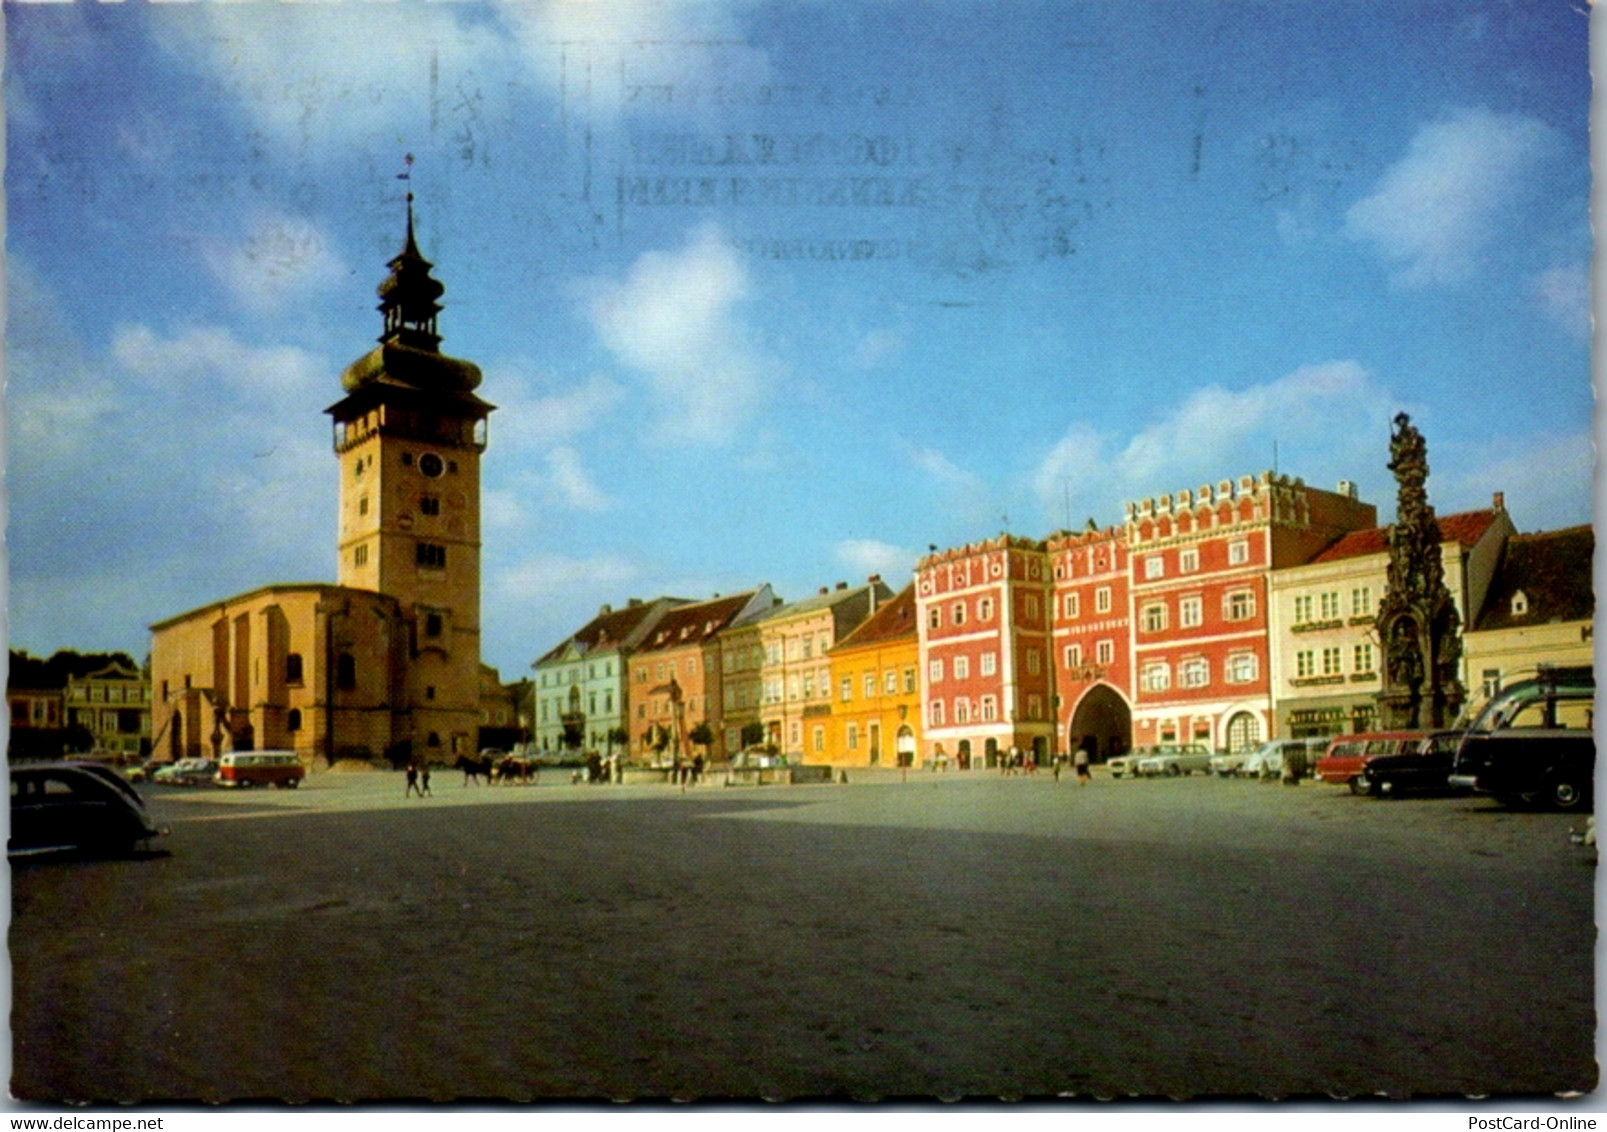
x: 409, y: 434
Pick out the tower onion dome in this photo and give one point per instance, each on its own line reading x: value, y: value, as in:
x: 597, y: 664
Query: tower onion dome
x: 409, y: 349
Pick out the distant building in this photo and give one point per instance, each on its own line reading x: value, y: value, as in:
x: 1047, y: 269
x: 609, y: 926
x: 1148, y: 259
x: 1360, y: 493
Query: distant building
x: 984, y: 623
x: 37, y: 723
x: 1092, y: 641
x: 500, y: 723
x: 1540, y: 610
x: 797, y: 639
x: 876, y: 689
x: 386, y: 663
x: 1200, y: 564
x: 114, y: 706
x: 675, y: 678
x: 1327, y: 661
x: 582, y: 695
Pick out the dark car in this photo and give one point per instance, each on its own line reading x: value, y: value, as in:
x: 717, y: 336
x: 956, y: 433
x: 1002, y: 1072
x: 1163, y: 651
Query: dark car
x: 1424, y: 770
x: 71, y: 807
x: 1532, y: 744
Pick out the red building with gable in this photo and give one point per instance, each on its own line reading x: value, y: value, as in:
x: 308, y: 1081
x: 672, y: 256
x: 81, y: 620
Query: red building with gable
x: 1199, y: 604
x: 987, y: 673
x: 1092, y: 635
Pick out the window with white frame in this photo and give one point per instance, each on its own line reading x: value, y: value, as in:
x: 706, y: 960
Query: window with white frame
x: 962, y: 667
x: 1243, y: 668
x: 934, y: 670
x: 937, y: 713
x: 1238, y: 552
x: 1303, y: 609
x: 1102, y: 600
x: 847, y: 689
x: 984, y: 609
x: 1154, y: 617
x: 1073, y: 656
x: 853, y: 736
x: 1240, y: 605
x: 1191, y: 611
x: 1195, y: 672
x: 1156, y: 676
x: 1034, y: 706
x: 1034, y: 662
x: 1305, y: 663
x: 1188, y: 560
x: 890, y: 682
x: 1154, y: 566
x: 990, y: 663
x: 1071, y: 606
x: 1330, y: 605
x: 934, y: 618
x: 962, y: 710
x: 1361, y: 601
x: 1105, y: 652
x: 990, y: 709
x: 870, y: 685
x: 957, y: 614
x: 1363, y: 656
x: 1331, y: 660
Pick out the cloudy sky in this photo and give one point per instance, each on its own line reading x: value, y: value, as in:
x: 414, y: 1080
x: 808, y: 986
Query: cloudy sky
x: 775, y: 292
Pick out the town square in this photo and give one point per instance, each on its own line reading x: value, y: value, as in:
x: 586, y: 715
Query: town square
x: 700, y: 551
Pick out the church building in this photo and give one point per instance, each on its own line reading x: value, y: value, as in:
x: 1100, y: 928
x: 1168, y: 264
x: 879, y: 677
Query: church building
x: 385, y: 663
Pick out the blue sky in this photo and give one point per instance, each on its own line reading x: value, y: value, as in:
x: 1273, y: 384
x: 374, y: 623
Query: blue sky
x: 775, y: 292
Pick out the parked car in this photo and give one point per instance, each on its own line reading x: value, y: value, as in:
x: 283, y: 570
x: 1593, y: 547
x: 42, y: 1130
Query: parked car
x: 1173, y: 761
x: 1532, y: 743
x: 1346, y: 755
x: 1230, y: 763
x: 1268, y: 760
x: 186, y: 772
x: 73, y: 807
x: 1426, y: 769
x: 260, y: 768
x: 1127, y: 763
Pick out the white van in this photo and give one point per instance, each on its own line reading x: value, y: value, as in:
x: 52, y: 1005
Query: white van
x: 260, y: 768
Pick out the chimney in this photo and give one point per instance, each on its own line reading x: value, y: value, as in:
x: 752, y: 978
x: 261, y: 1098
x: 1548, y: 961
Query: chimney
x: 824, y: 591
x: 1500, y: 501
x: 604, y: 610
x: 634, y: 602
x: 842, y: 586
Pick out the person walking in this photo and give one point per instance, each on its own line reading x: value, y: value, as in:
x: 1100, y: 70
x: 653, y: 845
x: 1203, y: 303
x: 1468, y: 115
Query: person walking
x: 424, y: 780
x: 412, y: 782
x: 1081, y: 763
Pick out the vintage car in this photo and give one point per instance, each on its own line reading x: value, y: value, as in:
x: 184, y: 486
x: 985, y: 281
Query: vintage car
x: 72, y: 807
x: 1532, y: 743
x: 1173, y: 761
x: 1426, y: 769
x: 260, y: 768
x: 1127, y: 764
x: 186, y: 772
x: 1347, y: 754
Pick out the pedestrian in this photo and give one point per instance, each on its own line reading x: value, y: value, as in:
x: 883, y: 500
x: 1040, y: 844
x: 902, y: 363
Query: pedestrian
x: 412, y: 782
x: 424, y: 780
x: 1081, y: 764
x: 1059, y: 758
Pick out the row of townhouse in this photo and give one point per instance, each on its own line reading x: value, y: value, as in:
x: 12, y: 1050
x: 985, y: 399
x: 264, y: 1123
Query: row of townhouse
x: 106, y: 712
x: 657, y: 679
x: 1223, y: 615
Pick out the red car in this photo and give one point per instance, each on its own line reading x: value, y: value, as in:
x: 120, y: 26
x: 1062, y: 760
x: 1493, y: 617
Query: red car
x: 1346, y: 757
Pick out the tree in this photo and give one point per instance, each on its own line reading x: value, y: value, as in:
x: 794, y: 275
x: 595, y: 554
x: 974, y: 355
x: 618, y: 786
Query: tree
x: 753, y: 735
x: 617, y: 737
x: 702, y: 735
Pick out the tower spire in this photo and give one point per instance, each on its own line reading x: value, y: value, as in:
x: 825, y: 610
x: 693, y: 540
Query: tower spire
x: 408, y: 295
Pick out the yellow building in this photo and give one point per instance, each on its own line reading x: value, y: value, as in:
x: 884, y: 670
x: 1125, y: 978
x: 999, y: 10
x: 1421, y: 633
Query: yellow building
x: 796, y: 700
x: 387, y: 662
x: 876, y: 708
x: 1540, y: 610
x: 114, y: 706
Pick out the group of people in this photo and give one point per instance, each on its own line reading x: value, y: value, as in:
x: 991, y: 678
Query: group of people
x: 418, y: 780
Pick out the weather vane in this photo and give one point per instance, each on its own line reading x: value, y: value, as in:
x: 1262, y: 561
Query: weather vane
x: 407, y: 175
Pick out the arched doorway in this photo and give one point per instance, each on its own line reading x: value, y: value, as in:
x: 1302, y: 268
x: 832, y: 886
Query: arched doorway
x: 1244, y: 732
x: 1102, y: 724
x: 964, y: 755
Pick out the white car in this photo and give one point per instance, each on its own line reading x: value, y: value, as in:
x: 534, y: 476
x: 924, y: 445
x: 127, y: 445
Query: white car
x: 1230, y: 764
x: 1174, y: 761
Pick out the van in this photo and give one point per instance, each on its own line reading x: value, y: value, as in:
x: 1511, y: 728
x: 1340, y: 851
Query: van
x: 260, y: 768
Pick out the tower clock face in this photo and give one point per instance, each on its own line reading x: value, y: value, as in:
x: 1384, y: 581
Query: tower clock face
x: 430, y: 464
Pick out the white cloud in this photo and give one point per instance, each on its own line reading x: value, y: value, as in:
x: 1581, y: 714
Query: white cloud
x: 941, y: 469
x: 1547, y: 478
x: 865, y: 556
x: 876, y: 348
x: 1564, y: 295
x: 1329, y: 422
x: 558, y: 578
x: 279, y: 261
x: 674, y: 319
x: 1436, y: 210
x: 212, y: 361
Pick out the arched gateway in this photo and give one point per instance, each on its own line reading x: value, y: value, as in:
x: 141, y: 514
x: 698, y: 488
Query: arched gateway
x: 1102, y: 723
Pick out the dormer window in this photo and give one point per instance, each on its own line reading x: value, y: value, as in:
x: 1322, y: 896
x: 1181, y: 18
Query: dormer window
x: 1520, y: 604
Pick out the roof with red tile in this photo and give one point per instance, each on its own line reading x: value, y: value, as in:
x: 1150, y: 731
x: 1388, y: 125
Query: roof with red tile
x: 1465, y: 527
x: 693, y: 624
x: 894, y: 621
